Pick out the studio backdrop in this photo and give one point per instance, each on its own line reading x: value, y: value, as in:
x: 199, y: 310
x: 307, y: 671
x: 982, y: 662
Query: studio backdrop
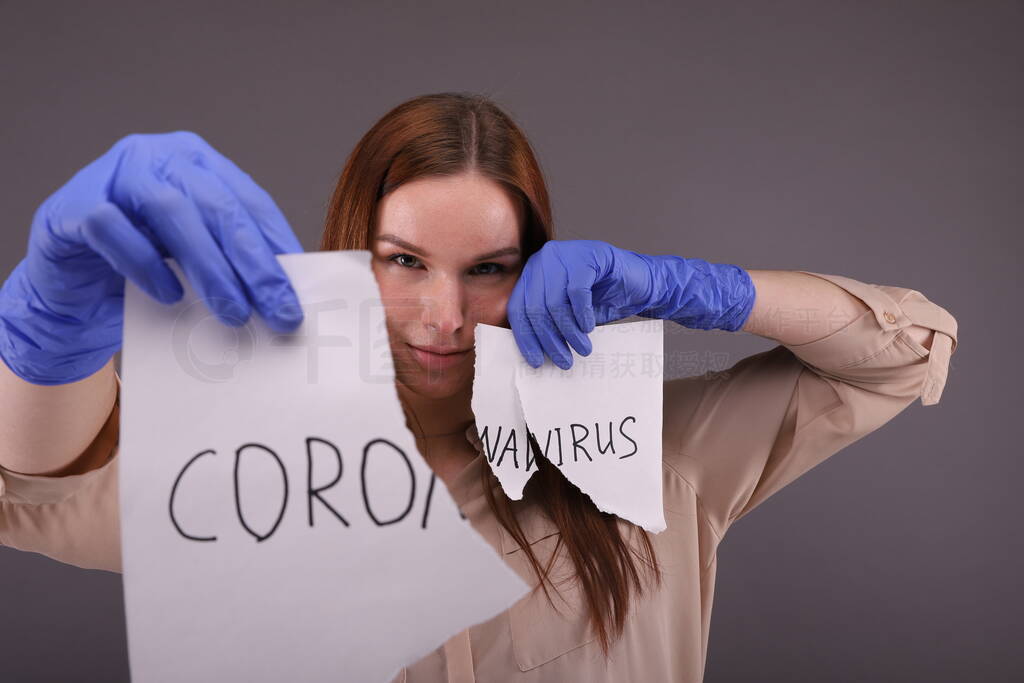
x: 876, y: 140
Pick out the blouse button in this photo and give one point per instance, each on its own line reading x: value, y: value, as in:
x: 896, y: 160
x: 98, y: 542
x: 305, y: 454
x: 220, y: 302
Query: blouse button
x: 889, y: 317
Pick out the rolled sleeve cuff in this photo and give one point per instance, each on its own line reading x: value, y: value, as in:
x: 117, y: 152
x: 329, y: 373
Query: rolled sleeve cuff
x: 892, y: 309
x: 37, y: 489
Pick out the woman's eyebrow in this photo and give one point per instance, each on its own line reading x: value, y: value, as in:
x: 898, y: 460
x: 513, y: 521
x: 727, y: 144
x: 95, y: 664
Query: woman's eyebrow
x: 409, y: 246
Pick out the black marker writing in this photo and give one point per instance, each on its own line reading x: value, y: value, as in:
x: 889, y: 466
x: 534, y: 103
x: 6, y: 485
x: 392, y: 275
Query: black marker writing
x: 362, y: 476
x: 587, y: 445
x: 238, y: 504
x: 174, y: 491
x: 430, y: 495
x: 576, y: 447
x: 513, y: 447
x: 311, y: 492
x: 623, y: 432
x: 318, y: 454
x: 611, y: 439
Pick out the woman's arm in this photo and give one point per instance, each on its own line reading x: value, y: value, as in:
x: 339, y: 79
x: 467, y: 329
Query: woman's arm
x: 737, y: 436
x: 793, y: 307
x: 45, y: 428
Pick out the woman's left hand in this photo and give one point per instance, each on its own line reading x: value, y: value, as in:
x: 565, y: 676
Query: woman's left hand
x: 569, y: 287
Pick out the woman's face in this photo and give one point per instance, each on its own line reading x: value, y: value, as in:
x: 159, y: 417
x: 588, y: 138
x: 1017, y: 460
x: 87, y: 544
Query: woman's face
x: 446, y: 255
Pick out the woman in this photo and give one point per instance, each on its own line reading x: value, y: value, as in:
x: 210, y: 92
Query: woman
x: 447, y: 194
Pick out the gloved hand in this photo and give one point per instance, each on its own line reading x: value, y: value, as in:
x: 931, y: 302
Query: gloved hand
x: 148, y: 197
x: 568, y: 287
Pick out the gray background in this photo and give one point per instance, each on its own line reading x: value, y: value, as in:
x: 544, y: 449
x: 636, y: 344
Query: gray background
x: 877, y: 140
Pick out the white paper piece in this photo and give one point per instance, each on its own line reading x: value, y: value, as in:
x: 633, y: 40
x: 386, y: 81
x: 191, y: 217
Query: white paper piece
x: 499, y: 417
x: 600, y: 422
x: 278, y: 521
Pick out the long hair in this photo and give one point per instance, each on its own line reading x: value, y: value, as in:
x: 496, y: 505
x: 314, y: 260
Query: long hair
x: 450, y: 133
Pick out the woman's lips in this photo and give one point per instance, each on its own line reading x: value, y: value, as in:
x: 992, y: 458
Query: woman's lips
x: 437, y: 361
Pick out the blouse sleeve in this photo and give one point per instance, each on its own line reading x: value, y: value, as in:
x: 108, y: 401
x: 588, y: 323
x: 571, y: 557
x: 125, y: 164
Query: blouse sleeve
x: 74, y: 518
x: 739, y: 435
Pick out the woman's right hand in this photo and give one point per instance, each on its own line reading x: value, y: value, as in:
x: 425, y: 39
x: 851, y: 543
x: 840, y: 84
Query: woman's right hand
x: 147, y: 198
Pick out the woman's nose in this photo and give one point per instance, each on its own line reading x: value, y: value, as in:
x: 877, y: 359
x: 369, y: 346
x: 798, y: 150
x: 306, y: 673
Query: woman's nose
x: 443, y: 306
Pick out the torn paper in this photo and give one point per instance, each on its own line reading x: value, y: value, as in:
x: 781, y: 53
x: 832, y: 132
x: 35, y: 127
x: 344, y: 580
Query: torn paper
x: 278, y: 522
x: 499, y: 417
x: 600, y: 422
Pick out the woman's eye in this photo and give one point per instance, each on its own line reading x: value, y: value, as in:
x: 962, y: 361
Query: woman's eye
x: 398, y: 258
x: 496, y: 268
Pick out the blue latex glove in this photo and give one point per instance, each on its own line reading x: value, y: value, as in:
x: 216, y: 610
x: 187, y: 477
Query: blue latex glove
x: 147, y: 198
x: 568, y: 287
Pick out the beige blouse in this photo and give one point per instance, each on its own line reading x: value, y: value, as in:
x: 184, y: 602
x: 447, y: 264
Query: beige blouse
x: 731, y: 439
